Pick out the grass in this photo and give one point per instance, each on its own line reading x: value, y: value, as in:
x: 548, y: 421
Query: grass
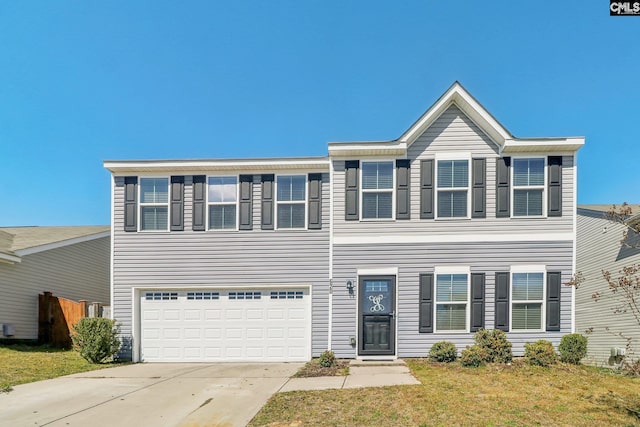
x: 453, y: 395
x: 21, y: 364
x: 313, y: 369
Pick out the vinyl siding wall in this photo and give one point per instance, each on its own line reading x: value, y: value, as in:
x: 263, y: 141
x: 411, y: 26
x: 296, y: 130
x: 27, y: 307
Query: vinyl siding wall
x: 184, y: 259
x: 599, y: 249
x: 78, y: 271
x: 412, y: 260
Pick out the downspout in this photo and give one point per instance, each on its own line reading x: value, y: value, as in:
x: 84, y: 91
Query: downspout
x: 329, y: 332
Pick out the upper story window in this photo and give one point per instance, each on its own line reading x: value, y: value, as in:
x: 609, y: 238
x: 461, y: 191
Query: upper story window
x: 528, y: 187
x: 452, y: 302
x: 154, y: 204
x: 291, y: 201
x: 527, y: 301
x: 453, y: 188
x: 377, y: 190
x: 222, y: 198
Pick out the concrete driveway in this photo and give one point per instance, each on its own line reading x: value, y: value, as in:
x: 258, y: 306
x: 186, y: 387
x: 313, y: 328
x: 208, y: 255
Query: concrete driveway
x: 153, y: 394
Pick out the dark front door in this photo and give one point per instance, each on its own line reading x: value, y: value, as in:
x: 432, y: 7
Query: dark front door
x: 376, y: 322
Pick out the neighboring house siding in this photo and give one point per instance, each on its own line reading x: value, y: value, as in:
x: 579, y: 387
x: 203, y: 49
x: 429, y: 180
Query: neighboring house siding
x: 78, y: 271
x: 249, y: 258
x: 599, y: 248
x: 415, y: 259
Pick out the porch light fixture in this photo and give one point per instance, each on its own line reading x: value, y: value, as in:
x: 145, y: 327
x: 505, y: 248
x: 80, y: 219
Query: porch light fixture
x: 350, y: 287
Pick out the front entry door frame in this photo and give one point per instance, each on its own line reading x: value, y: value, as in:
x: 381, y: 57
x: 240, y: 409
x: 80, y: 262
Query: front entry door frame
x: 390, y: 312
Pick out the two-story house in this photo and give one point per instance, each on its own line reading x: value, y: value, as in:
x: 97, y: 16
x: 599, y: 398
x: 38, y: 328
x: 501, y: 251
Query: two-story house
x: 378, y: 250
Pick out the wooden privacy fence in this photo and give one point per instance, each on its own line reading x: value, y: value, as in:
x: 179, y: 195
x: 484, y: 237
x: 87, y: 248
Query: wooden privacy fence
x: 57, y: 315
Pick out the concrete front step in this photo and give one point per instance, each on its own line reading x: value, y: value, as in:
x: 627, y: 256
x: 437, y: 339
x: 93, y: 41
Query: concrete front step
x: 397, y: 362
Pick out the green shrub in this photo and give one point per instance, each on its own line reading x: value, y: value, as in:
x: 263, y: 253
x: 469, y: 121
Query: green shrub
x: 96, y: 338
x: 496, y: 345
x: 473, y: 356
x: 572, y: 348
x: 540, y: 353
x: 443, y: 351
x: 327, y: 359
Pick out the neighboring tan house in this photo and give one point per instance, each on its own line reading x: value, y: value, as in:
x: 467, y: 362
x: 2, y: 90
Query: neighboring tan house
x: 378, y: 250
x: 70, y: 262
x: 600, y: 248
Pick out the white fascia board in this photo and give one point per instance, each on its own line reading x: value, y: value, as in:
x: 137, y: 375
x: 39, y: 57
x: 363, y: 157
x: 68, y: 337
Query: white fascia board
x: 63, y: 243
x: 311, y: 164
x: 9, y: 259
x: 546, y: 145
x: 345, y: 149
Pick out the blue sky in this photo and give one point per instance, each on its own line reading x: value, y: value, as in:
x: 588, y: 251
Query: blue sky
x: 86, y: 81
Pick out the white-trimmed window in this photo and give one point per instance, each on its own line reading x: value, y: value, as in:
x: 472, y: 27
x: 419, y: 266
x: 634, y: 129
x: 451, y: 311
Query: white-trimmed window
x: 452, y: 301
x: 154, y: 204
x: 527, y: 301
x: 291, y: 201
x: 453, y: 188
x: 528, y: 186
x: 222, y: 197
x: 377, y: 190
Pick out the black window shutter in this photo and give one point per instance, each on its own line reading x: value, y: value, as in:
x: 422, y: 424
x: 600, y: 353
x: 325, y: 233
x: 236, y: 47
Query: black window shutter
x: 555, y: 185
x: 479, y: 189
x: 553, y: 301
x: 130, y: 203
x: 267, y: 202
x: 503, y: 184
x: 177, y: 203
x: 246, y: 202
x: 477, y: 301
x: 351, y: 190
x: 315, y: 201
x: 502, y: 302
x: 426, y: 303
x: 199, y: 203
x: 403, y: 178
x: 426, y: 189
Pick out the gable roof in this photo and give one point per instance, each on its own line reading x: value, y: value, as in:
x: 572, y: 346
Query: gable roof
x: 16, y: 242
x: 457, y: 95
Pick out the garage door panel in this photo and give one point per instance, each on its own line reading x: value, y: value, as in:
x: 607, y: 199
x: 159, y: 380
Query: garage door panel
x: 231, y: 325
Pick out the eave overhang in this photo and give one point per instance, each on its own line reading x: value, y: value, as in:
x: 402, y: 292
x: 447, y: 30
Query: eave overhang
x: 542, y: 145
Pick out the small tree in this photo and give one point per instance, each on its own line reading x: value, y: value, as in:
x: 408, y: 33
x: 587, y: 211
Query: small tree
x: 96, y: 338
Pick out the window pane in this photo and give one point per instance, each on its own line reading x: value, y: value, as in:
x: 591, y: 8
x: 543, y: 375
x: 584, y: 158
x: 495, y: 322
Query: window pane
x: 451, y: 287
x: 527, y: 286
x: 451, y: 317
x: 222, y: 189
x: 154, y: 190
x: 222, y: 217
x: 528, y: 172
x: 290, y: 215
x: 376, y: 205
x: 526, y: 316
x: 154, y: 218
x: 452, y: 204
x: 453, y: 173
x: 291, y: 188
x: 377, y: 175
x: 527, y: 202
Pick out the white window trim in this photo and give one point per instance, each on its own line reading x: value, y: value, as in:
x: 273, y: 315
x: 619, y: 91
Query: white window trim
x: 542, y: 187
x: 288, y: 202
x: 141, y: 205
x: 237, y: 203
x: 452, y: 270
x: 393, y: 190
x: 450, y: 157
x: 543, y: 315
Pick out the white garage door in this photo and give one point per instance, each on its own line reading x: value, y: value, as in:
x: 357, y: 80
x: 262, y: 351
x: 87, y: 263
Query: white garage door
x: 225, y: 325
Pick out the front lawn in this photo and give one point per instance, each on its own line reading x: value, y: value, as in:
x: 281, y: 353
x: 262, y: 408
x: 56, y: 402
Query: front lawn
x: 21, y: 364
x: 453, y: 395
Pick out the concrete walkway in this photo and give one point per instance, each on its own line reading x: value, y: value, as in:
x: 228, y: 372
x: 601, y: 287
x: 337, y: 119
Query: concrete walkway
x: 361, y: 374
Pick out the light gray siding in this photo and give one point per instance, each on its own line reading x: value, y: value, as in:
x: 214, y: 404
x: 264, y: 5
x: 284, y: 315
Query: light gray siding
x: 414, y: 259
x: 78, y: 271
x: 454, y: 132
x: 599, y: 248
x: 222, y: 259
